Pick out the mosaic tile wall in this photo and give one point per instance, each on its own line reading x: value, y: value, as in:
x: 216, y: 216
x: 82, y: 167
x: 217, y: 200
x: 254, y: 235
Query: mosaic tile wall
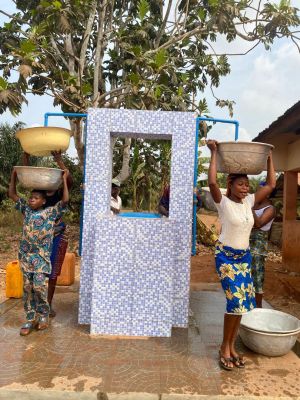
x: 135, y: 272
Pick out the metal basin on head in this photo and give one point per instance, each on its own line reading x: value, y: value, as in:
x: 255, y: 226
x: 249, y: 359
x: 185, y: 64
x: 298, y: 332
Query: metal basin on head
x: 41, y: 141
x: 39, y: 177
x: 243, y: 157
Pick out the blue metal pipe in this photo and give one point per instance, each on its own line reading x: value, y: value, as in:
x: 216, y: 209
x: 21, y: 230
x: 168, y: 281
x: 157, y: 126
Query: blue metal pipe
x: 236, y: 136
x: 82, y: 190
x: 72, y: 115
x: 223, y: 121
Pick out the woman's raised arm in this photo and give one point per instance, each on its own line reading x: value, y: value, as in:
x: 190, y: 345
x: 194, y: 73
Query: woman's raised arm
x: 212, y: 172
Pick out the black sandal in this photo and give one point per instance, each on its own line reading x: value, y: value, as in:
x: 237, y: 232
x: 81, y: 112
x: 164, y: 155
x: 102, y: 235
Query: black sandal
x: 223, y: 362
x: 238, y: 362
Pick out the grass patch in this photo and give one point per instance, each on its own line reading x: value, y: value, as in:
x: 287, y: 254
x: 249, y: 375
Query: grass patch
x: 12, y: 220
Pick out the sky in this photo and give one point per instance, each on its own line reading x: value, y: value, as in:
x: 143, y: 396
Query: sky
x: 263, y: 84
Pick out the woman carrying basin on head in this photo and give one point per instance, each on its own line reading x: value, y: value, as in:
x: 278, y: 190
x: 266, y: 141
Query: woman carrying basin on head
x: 60, y: 239
x: 232, y: 255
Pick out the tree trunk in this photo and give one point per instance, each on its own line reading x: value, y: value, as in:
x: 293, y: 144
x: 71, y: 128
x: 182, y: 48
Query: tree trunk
x: 125, y: 170
x: 76, y: 127
x: 134, y: 196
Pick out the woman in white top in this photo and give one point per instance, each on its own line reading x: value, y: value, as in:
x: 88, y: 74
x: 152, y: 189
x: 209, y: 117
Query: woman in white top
x: 232, y: 255
x: 264, y: 214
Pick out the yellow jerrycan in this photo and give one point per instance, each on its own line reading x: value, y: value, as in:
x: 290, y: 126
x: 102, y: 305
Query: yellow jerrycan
x: 14, y: 280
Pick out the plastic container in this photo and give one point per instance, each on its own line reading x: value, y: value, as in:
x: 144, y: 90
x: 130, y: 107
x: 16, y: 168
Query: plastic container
x: 67, y: 275
x: 41, y: 141
x: 14, y: 280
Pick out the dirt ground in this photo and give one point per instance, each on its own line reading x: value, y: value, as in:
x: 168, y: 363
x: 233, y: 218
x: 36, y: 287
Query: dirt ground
x: 282, y: 288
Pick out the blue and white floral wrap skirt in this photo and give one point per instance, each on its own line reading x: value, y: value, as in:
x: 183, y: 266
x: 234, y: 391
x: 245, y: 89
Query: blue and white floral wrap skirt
x: 234, y: 270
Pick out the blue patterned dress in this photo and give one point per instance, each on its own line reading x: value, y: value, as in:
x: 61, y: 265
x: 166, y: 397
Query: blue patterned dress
x: 234, y: 270
x: 232, y: 254
x: 34, y: 256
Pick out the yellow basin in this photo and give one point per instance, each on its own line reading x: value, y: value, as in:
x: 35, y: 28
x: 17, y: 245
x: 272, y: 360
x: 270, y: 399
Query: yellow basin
x: 43, y: 140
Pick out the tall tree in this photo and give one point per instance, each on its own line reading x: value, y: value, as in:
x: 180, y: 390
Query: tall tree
x: 10, y: 154
x: 146, y: 54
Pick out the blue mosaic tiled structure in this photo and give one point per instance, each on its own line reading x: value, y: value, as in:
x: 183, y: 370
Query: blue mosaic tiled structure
x: 135, y: 272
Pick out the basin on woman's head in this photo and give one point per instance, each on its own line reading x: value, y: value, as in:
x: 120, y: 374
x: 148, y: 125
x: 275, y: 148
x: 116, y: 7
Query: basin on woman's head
x: 270, y: 321
x: 41, y: 141
x: 242, y: 157
x: 39, y: 177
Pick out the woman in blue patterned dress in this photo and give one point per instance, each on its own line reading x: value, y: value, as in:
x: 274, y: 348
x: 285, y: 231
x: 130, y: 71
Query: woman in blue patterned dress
x: 60, y: 239
x: 35, y: 251
x: 232, y: 255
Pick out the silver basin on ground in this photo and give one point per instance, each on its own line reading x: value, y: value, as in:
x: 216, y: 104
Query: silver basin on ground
x: 268, y: 344
x: 270, y: 321
x: 269, y: 332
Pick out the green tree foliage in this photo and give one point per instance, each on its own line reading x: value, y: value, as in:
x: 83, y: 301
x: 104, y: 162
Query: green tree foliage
x: 146, y: 54
x: 10, y: 154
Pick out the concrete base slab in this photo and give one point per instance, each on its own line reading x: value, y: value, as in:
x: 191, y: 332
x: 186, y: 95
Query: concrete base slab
x: 64, y: 395
x: 65, y: 362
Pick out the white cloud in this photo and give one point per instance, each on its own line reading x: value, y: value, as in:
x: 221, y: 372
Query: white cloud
x: 272, y: 87
x: 262, y: 84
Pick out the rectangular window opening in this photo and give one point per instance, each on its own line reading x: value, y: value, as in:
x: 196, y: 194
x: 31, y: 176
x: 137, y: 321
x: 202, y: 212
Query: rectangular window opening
x: 145, y: 193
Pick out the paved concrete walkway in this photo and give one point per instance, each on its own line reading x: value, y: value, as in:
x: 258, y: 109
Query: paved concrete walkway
x: 66, y: 362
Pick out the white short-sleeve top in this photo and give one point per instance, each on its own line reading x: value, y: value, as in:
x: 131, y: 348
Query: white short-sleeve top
x: 115, y: 203
x: 236, y: 221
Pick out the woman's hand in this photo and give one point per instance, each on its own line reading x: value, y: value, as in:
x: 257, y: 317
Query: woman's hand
x: 212, y: 145
x: 25, y: 159
x: 212, y: 172
x: 56, y: 155
x: 58, y: 159
x: 270, y: 157
x: 66, y: 173
x: 65, y: 198
x: 265, y: 191
x: 14, y: 172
